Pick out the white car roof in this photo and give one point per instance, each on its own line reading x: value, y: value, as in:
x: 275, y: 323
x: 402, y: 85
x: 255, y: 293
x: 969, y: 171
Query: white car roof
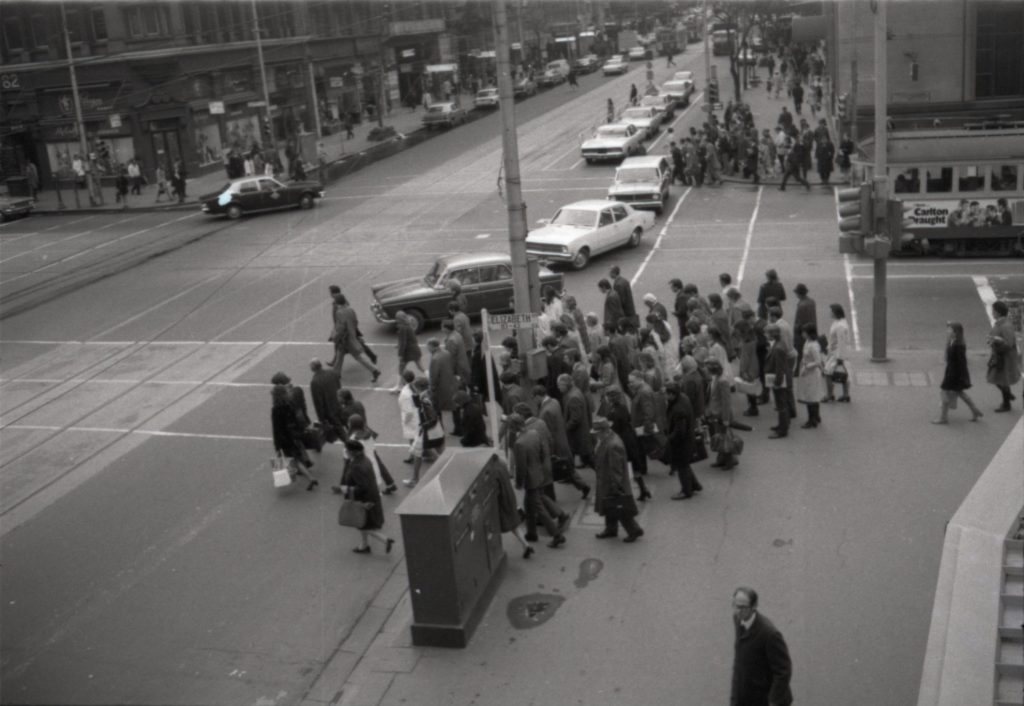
x: 589, y: 205
x: 675, y: 84
x: 614, y: 128
x: 682, y: 75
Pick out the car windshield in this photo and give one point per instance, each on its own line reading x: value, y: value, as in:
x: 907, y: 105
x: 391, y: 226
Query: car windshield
x: 652, y: 101
x: 637, y: 113
x: 683, y: 75
x: 436, y: 109
x: 433, y: 274
x: 573, y: 217
x: 632, y: 175
x: 611, y: 131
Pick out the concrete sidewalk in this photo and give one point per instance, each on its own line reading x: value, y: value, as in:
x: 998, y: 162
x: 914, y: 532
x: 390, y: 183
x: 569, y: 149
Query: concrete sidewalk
x: 337, y: 147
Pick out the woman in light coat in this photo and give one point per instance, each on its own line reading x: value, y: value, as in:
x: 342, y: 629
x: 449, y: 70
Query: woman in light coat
x: 838, y: 352
x: 410, y: 416
x: 809, y: 386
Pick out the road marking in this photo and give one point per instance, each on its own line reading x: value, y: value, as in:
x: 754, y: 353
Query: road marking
x: 482, y: 236
x: 950, y: 275
x: 694, y: 101
x: 166, y: 383
x: 62, y: 241
x: 560, y: 157
x: 853, y: 303
x: 39, y: 342
x: 988, y: 296
x: 657, y: 242
x: 750, y: 235
x: 157, y: 306
x: 577, y: 163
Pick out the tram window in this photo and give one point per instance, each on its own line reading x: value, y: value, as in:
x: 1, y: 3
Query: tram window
x: 971, y: 179
x: 939, y: 180
x: 1004, y: 177
x: 908, y: 182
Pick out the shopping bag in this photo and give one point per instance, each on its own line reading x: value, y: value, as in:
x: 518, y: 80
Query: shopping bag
x: 700, y: 449
x: 747, y: 387
x: 281, y: 473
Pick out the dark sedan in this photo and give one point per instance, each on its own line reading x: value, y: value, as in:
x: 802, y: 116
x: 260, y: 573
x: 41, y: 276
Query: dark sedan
x: 15, y: 206
x: 486, y: 280
x: 260, y: 193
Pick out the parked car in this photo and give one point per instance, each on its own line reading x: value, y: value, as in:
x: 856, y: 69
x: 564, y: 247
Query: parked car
x: 15, y: 206
x: 638, y: 53
x: 746, y: 56
x: 643, y: 182
x: 614, y: 141
x: 587, y: 64
x: 260, y: 193
x: 618, y: 64
x: 683, y: 76
x: 587, y: 228
x: 444, y: 115
x: 551, y: 77
x: 662, y: 104
x: 524, y: 88
x: 486, y: 280
x: 487, y: 98
x: 678, y: 91
x: 647, y: 120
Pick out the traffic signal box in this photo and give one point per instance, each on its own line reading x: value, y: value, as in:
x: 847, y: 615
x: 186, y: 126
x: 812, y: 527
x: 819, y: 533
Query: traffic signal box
x: 713, y: 91
x: 868, y: 222
x: 842, y: 106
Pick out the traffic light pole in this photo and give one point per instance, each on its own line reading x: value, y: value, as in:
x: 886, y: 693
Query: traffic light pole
x: 879, y: 304
x: 710, y: 105
x: 263, y: 77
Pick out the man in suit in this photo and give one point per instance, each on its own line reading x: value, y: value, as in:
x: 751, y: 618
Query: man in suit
x: 761, y: 667
x: 679, y: 309
x: 346, y: 337
x: 625, y: 291
x: 323, y: 389
x: 643, y: 418
x: 681, y: 431
x: 550, y: 412
x: 778, y: 375
x: 806, y: 313
x: 576, y: 412
x: 533, y: 473
x: 442, y: 383
x: 612, y: 303
x: 614, y: 495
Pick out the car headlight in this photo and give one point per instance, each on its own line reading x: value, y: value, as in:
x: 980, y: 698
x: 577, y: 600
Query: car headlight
x: 565, y: 248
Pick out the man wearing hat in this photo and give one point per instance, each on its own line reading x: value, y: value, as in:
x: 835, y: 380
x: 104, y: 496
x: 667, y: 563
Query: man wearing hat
x: 533, y: 474
x: 806, y: 313
x: 771, y: 287
x: 613, y: 495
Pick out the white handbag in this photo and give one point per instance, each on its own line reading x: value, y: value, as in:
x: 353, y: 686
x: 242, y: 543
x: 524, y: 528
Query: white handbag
x: 281, y: 473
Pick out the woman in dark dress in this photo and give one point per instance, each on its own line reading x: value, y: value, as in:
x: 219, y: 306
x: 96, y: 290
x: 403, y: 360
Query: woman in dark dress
x: 362, y: 487
x: 288, y: 434
x: 957, y: 379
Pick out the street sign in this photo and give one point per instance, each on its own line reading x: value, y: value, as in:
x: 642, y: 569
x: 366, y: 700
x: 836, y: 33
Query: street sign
x: 497, y: 322
x: 256, y: 104
x: 115, y: 120
x: 216, y: 107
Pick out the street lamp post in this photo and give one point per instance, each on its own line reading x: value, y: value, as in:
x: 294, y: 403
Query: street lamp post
x: 263, y: 77
x: 879, y: 309
x: 95, y: 195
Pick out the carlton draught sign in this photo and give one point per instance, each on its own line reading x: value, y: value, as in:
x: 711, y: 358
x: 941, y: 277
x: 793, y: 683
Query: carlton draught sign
x: 964, y: 212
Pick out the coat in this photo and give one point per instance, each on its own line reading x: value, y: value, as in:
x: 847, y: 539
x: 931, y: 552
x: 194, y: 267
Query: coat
x: 359, y: 474
x: 957, y: 377
x: 1004, y: 363
x: 777, y: 363
x: 346, y: 330
x: 464, y: 329
x: 613, y: 310
x: 680, y: 431
x: 761, y: 668
x: 323, y: 390
x: 619, y: 416
x: 693, y: 388
x: 550, y: 413
x: 806, y: 313
x: 454, y: 344
x: 408, y: 347
x: 720, y: 400
x: 532, y: 468
x: 577, y: 417
x: 612, y: 474
x: 625, y: 291
x: 809, y: 386
x: 442, y: 379
x: 287, y: 431
x: 508, y: 505
x: 643, y: 412
x: 409, y: 413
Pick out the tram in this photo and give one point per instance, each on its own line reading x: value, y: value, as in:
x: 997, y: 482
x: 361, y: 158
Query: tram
x: 962, y: 191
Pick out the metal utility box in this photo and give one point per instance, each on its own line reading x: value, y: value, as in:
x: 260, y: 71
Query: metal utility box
x: 453, y: 548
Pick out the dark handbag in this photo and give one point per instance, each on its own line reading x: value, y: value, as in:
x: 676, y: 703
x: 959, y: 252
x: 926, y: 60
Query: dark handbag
x: 313, y: 437
x: 700, y: 449
x: 620, y: 506
x: 840, y: 374
x: 561, y: 469
x: 352, y: 513
x: 656, y: 446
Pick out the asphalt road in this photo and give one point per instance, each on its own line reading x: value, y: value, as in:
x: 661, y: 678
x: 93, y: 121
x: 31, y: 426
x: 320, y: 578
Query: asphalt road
x: 146, y: 557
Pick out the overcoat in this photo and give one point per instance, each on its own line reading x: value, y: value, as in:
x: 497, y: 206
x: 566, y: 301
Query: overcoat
x: 957, y: 377
x: 1004, y: 363
x: 359, y: 474
x: 550, y: 413
x: 577, y: 422
x: 442, y: 379
x: 810, y: 384
x: 612, y: 475
x: 761, y: 668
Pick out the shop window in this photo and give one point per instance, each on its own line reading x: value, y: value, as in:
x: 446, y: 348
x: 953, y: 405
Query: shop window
x: 971, y: 179
x: 1004, y: 177
x: 98, y: 18
x: 207, y: 143
x: 999, y: 58
x: 40, y: 32
x: 939, y: 180
x: 13, y: 39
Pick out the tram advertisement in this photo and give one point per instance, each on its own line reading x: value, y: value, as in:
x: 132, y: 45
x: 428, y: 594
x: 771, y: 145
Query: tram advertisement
x: 981, y: 212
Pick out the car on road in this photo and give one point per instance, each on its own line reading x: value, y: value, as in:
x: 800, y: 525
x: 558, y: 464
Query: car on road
x: 678, y: 91
x: 581, y: 230
x: 614, y: 141
x: 444, y: 115
x: 587, y: 64
x: 551, y: 77
x: 524, y: 88
x: 618, y: 64
x: 647, y: 120
x: 683, y: 76
x: 638, y: 53
x: 487, y: 98
x: 662, y: 104
x: 643, y: 182
x: 260, y: 193
x: 15, y: 206
x: 746, y: 56
x: 486, y: 280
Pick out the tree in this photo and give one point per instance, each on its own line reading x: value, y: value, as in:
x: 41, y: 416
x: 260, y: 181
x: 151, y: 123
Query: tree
x: 741, y: 19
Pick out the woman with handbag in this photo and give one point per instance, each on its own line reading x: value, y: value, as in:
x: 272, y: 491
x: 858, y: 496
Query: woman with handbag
x: 361, y: 488
x: 359, y: 431
x: 957, y: 378
x: 288, y: 434
x: 718, y: 414
x: 809, y: 386
x: 836, y: 369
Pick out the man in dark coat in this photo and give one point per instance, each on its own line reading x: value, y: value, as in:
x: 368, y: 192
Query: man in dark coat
x: 679, y: 304
x: 617, y: 412
x: 613, y: 497
x: 771, y: 287
x: 643, y: 418
x: 681, y: 430
x: 625, y: 291
x: 779, y: 377
x: 549, y: 411
x: 576, y: 412
x: 613, y: 310
x: 346, y: 337
x: 761, y: 668
x: 323, y: 389
x: 442, y: 380
x: 806, y: 313
x: 533, y: 474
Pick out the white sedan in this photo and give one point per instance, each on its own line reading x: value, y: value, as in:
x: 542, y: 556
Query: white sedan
x: 683, y: 76
x: 487, y: 98
x: 616, y: 65
x: 614, y: 141
x: 587, y: 228
x: 637, y: 53
x: 646, y: 119
x: 678, y: 91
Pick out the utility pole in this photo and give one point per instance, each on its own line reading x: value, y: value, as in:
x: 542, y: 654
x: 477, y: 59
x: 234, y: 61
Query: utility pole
x: 263, y: 78
x: 312, y: 92
x: 90, y: 180
x: 513, y: 184
x: 709, y: 106
x: 879, y: 303
x: 853, y: 106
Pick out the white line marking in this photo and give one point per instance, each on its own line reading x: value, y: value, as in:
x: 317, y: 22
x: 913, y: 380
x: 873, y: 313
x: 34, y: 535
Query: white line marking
x: 657, y: 242
x: 168, y: 383
x: 577, y: 163
x: 853, y: 303
x: 890, y: 275
x: 560, y: 157
x: 482, y: 236
x: 62, y: 241
x: 988, y: 296
x: 961, y: 263
x: 750, y: 235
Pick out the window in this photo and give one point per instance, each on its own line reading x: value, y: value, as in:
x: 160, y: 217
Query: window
x: 504, y: 272
x: 1004, y: 177
x: 908, y: 181
x: 13, y: 39
x: 467, y: 277
x: 605, y: 220
x: 146, y: 21
x: 268, y: 185
x: 99, y: 24
x: 619, y: 212
x: 40, y: 32
x: 939, y: 180
x: 249, y: 187
x: 999, y: 60
x: 971, y: 179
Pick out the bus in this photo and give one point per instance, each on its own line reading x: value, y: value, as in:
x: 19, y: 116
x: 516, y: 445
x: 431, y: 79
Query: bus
x: 722, y: 42
x: 962, y: 195
x: 669, y: 40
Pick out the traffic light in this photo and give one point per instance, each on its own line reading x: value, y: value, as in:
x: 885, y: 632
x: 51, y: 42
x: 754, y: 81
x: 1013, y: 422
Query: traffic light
x: 856, y: 217
x: 896, y: 221
x: 267, y: 129
x: 841, y: 106
x: 713, y: 91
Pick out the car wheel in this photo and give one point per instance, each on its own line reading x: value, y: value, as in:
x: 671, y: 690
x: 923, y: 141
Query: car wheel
x: 589, y: 160
x: 634, y: 237
x: 234, y: 211
x: 581, y: 259
x: 418, y: 319
x: 306, y: 202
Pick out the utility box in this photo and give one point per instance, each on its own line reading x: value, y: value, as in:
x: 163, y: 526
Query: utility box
x: 453, y: 549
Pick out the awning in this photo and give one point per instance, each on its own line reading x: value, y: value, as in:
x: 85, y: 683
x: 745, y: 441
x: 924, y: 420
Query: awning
x: 441, y: 68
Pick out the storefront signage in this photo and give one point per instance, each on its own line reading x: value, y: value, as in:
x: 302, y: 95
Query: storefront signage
x: 216, y: 107
x: 115, y: 120
x: 408, y: 53
x: 256, y: 104
x: 951, y: 212
x: 337, y: 82
x: 11, y: 82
